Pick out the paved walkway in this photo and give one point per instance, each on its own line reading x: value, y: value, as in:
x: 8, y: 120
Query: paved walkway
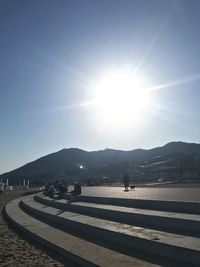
x: 176, y: 194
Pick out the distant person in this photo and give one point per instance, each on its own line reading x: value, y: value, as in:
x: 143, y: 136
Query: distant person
x: 56, y: 184
x: 77, y: 189
x: 49, y: 190
x: 126, y: 182
x: 62, y: 186
x: 46, y: 188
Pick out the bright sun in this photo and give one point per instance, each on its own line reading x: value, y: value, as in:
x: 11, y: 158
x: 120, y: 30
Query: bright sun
x: 120, y: 96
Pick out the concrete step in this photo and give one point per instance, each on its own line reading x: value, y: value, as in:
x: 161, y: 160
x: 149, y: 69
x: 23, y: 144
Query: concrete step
x: 170, y: 246
x: 73, y: 250
x: 167, y: 221
x: 162, y: 205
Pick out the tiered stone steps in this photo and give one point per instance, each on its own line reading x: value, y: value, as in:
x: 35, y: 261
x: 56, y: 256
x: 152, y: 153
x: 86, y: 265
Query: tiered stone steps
x: 166, y: 221
x: 73, y: 251
x: 92, y: 234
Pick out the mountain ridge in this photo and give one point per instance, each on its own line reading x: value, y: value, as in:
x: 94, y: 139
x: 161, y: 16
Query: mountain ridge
x: 101, y: 162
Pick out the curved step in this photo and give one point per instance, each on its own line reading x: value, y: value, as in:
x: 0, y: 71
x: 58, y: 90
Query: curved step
x: 162, y: 205
x: 77, y: 250
x: 167, y: 221
x: 171, y: 246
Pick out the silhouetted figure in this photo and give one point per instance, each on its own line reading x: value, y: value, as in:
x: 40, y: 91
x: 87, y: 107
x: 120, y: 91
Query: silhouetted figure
x: 61, y: 187
x: 126, y: 182
x: 77, y: 189
x: 49, y: 190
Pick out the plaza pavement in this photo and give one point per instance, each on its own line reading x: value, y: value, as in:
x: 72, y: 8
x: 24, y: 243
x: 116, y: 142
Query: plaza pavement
x: 174, y: 194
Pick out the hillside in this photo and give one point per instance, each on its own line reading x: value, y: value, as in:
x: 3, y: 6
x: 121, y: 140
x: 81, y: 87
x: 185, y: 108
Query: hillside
x: 108, y: 162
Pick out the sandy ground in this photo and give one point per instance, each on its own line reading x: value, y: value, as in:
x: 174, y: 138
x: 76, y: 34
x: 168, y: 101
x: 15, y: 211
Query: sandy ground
x: 15, y: 251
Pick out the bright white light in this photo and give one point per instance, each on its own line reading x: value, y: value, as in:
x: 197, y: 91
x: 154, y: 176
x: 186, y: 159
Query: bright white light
x: 120, y: 96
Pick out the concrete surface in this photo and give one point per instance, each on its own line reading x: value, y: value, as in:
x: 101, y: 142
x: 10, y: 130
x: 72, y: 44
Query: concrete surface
x: 177, y: 247
x: 175, y: 194
x: 63, y: 230
x: 77, y: 250
x: 179, y: 222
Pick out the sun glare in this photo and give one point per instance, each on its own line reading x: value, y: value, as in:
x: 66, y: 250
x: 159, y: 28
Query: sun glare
x: 120, y: 95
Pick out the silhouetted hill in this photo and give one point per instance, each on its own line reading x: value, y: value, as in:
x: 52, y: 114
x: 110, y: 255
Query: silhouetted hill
x: 177, y: 147
x: 96, y: 163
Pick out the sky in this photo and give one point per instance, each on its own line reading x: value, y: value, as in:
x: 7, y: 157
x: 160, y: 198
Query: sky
x: 55, y: 54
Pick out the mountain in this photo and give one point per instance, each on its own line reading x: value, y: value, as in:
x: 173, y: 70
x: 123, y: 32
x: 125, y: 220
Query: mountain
x: 108, y: 162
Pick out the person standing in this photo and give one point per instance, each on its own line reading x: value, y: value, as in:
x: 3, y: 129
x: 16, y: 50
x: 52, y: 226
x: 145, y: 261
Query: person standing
x: 126, y: 182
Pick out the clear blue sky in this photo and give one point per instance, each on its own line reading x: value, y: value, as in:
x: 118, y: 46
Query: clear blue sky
x: 50, y: 51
